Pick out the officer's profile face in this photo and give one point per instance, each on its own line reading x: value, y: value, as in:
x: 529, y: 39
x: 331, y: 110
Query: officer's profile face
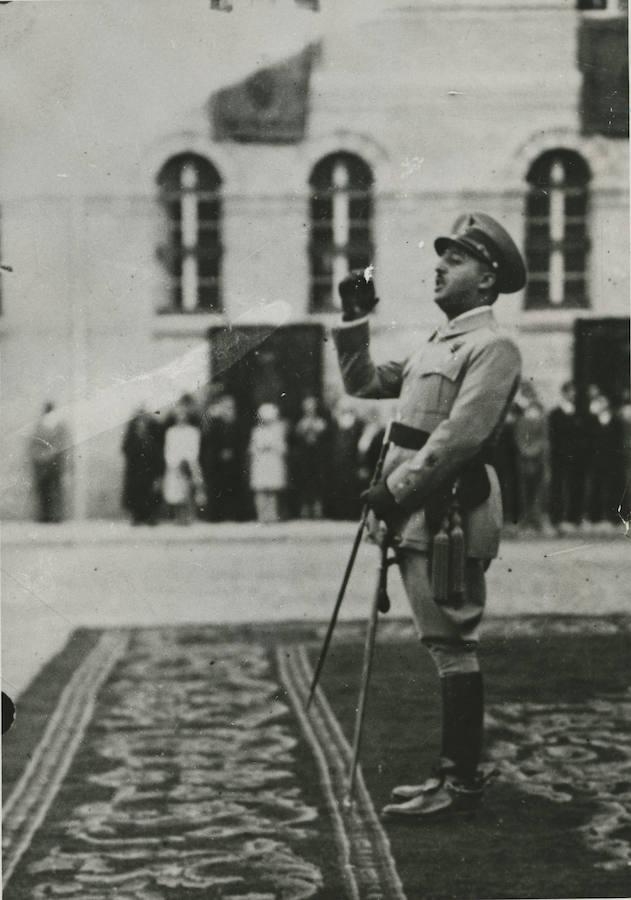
x: 460, y: 281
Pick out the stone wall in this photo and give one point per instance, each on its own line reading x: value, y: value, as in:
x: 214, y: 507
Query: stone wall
x: 448, y: 102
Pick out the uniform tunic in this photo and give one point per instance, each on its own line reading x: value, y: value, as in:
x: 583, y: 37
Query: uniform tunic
x: 457, y: 387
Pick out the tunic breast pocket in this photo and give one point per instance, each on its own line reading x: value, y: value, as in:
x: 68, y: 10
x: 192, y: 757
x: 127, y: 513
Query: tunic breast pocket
x: 439, y: 385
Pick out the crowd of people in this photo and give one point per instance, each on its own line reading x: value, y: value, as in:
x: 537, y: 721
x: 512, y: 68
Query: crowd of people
x: 559, y: 469
x: 565, y: 468
x: 210, y: 464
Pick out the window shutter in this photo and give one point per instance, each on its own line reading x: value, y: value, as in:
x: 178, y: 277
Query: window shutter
x: 604, y: 61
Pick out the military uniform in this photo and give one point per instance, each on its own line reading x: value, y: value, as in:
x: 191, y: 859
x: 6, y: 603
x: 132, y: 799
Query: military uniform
x: 454, y: 393
x: 457, y: 387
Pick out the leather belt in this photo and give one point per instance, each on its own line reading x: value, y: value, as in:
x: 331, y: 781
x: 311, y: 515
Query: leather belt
x: 407, y: 437
x: 415, y: 439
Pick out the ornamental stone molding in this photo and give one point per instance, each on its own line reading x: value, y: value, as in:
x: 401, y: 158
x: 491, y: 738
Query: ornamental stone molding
x: 343, y: 141
x: 607, y: 158
x: 190, y: 142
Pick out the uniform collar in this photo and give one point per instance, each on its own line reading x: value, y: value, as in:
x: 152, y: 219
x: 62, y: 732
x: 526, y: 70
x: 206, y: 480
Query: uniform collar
x: 480, y: 317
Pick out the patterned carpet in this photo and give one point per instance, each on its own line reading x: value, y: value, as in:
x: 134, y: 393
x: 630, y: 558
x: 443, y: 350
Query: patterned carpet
x: 177, y: 769
x: 180, y: 763
x: 560, y: 752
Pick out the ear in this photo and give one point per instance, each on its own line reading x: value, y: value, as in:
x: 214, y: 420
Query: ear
x: 487, y: 280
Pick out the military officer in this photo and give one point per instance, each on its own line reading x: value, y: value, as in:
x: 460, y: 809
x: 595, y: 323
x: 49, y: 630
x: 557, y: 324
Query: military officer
x: 453, y: 392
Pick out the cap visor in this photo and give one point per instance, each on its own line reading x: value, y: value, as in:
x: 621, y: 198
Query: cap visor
x: 442, y: 243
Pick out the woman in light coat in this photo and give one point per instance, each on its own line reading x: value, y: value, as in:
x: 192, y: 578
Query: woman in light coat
x: 268, y: 463
x: 182, y: 481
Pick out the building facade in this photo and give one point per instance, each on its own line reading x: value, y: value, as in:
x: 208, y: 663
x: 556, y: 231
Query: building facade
x: 177, y: 203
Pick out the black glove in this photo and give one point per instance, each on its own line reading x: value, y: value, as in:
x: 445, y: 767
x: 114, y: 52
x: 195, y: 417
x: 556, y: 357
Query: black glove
x: 380, y: 500
x: 357, y: 293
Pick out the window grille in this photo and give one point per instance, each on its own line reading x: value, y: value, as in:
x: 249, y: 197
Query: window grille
x: 190, y: 197
x: 341, y: 225
x: 557, y: 240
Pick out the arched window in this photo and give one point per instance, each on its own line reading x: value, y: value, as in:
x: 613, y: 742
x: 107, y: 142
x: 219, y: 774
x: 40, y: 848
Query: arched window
x: 191, y: 254
x: 341, y: 224
x: 557, y: 240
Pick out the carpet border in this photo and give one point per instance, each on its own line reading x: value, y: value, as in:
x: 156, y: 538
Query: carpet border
x: 31, y: 798
x: 309, y: 733
x: 363, y: 845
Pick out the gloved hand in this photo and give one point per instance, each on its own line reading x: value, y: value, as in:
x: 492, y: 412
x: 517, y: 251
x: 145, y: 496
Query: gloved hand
x: 380, y: 500
x: 357, y: 292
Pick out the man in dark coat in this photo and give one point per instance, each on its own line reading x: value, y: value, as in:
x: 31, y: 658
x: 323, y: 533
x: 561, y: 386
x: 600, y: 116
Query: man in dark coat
x: 49, y: 446
x: 342, y: 477
x: 604, y: 437
x: 506, y: 465
x: 566, y: 441
x: 531, y: 443
x: 623, y: 465
x: 222, y: 461
x: 308, y: 458
x: 143, y: 449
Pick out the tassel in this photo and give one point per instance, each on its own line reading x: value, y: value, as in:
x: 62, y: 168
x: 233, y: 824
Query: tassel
x: 456, y: 557
x: 383, y: 601
x: 440, y: 563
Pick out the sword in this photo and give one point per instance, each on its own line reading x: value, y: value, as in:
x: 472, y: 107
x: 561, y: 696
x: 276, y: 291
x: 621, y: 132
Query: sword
x: 380, y: 601
x: 349, y: 568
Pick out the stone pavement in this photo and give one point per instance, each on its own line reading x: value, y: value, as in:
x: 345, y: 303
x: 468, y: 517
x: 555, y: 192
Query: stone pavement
x: 61, y: 577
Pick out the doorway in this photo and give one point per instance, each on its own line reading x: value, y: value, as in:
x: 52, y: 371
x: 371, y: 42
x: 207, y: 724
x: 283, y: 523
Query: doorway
x: 266, y: 364
x: 602, y: 357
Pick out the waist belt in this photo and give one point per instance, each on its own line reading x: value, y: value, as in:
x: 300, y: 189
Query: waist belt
x: 415, y: 439
x: 407, y: 437
x: 470, y: 486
